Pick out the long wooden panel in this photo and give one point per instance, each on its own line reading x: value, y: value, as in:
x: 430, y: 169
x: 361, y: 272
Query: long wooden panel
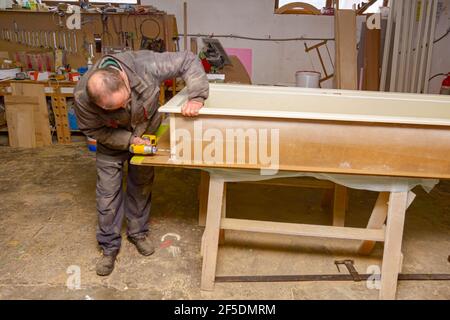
x: 319, y: 104
x: 42, y: 125
x: 325, y: 146
x: 305, y: 230
x: 20, y: 120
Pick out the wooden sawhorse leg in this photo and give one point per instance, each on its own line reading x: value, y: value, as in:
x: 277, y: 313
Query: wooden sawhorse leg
x: 203, y: 198
x: 339, y: 205
x: 210, y: 243
x: 392, y: 255
x: 378, y: 219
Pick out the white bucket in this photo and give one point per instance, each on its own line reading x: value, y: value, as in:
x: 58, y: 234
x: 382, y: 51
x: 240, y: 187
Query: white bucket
x: 307, y: 79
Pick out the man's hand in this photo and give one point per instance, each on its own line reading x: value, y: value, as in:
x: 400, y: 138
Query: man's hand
x: 191, y: 108
x: 140, y: 141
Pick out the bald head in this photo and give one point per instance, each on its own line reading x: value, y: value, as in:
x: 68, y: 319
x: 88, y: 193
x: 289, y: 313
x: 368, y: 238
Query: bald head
x: 107, y: 89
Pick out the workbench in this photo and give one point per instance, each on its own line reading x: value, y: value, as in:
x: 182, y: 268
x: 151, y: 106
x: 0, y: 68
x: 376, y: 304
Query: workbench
x: 384, y: 142
x: 59, y: 92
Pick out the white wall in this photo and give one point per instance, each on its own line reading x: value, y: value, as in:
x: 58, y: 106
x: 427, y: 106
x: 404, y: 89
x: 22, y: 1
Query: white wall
x: 277, y: 62
x: 273, y: 62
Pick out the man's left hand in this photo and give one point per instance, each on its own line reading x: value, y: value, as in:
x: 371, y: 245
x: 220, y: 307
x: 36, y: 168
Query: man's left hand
x: 191, y: 108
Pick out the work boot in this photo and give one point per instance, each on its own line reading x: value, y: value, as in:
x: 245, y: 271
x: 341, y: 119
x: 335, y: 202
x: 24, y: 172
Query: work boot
x: 143, y: 245
x: 105, y: 265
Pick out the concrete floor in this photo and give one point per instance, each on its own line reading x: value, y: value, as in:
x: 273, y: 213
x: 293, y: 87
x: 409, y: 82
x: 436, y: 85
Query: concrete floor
x: 48, y: 221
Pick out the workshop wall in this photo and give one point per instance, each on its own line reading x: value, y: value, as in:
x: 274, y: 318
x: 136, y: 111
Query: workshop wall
x: 273, y: 62
x: 277, y: 62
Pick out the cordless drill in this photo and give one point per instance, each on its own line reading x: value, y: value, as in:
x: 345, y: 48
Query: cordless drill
x: 145, y: 149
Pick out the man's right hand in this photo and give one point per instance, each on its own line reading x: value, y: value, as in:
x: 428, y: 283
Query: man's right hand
x: 140, y: 141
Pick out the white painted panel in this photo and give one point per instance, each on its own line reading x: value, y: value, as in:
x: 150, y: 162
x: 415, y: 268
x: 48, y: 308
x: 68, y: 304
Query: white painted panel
x: 321, y: 104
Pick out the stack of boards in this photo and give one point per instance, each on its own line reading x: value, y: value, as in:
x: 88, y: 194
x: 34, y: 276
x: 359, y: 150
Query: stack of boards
x: 27, y: 116
x: 408, y: 47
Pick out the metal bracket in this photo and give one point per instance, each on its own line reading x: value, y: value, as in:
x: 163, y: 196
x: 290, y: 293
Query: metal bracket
x: 350, y: 265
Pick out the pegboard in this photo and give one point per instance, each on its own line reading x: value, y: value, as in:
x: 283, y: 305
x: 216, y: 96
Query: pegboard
x: 38, y: 32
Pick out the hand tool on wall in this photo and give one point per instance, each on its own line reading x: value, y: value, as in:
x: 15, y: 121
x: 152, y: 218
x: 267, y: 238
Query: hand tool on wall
x: 46, y: 44
x: 36, y: 39
x: 98, y: 43
x: 60, y: 40
x: 106, y: 36
x: 69, y: 44
x: 118, y: 31
x: 33, y: 39
x: 75, y: 44
x: 149, y: 43
x: 55, y: 46
x: 41, y: 39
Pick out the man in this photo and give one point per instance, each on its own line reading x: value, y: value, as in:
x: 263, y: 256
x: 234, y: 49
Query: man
x: 116, y: 103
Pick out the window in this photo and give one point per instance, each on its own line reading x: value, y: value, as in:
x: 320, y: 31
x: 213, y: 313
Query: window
x: 343, y: 4
x: 96, y: 1
x: 319, y: 4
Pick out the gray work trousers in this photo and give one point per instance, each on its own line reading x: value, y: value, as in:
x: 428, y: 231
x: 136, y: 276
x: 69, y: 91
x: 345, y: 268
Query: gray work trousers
x: 113, y: 203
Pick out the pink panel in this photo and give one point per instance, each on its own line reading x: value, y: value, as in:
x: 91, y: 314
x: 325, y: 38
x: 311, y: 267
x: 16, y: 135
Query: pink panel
x: 245, y: 55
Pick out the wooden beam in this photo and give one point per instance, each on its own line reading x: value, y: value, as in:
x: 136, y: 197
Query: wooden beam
x: 395, y: 52
x: 416, y: 59
x: 378, y: 218
x: 372, y: 46
x: 304, y: 230
x: 203, y: 198
x: 393, y: 245
x: 194, y: 48
x: 365, y: 7
x: 409, y: 53
x: 346, y: 74
x: 423, y: 49
x: 211, y: 237
x: 404, y: 45
x: 376, y: 221
x: 387, y: 48
x: 339, y: 206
